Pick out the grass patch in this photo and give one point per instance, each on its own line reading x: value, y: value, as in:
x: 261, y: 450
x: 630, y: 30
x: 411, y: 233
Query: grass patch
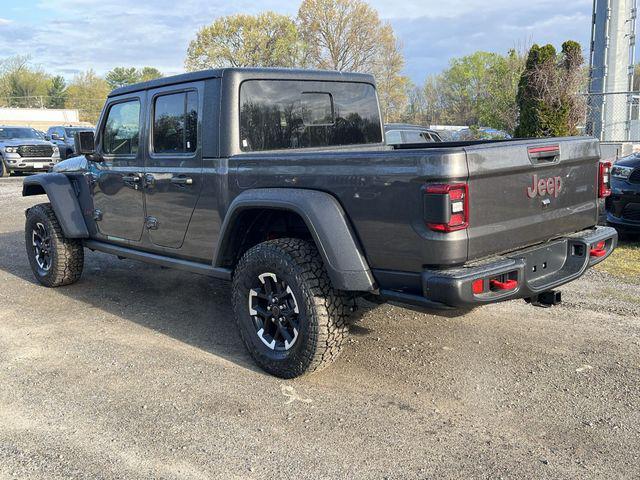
x: 624, y: 262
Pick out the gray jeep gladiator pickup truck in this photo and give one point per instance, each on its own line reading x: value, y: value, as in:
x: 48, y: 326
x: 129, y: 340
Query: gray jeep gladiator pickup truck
x: 280, y: 181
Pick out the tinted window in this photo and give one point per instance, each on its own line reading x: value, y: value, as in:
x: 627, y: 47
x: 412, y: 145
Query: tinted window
x: 317, y: 109
x: 122, y: 129
x: 191, y: 122
x: 292, y: 114
x: 175, y: 123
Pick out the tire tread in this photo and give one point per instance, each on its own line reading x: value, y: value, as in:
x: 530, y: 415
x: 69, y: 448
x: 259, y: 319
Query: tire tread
x: 69, y: 253
x: 329, y: 306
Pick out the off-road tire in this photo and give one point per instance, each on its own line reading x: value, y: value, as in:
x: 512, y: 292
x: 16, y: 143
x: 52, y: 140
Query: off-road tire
x: 4, y: 172
x: 323, y: 311
x: 66, y: 254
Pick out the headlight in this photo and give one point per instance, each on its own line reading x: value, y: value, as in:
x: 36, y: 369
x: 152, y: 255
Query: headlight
x: 618, y: 171
x: 55, y: 150
x: 11, y: 149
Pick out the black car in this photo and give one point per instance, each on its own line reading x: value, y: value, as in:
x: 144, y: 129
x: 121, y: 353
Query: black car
x: 623, y: 206
x: 63, y: 137
x: 403, y: 133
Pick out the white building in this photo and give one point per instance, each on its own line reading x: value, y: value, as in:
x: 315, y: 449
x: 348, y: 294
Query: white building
x: 40, y: 118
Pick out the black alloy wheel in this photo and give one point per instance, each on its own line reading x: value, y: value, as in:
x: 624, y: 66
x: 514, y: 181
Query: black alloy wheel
x: 275, y: 312
x: 41, y: 241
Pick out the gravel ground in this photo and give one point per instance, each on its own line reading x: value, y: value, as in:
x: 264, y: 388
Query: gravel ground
x: 137, y: 372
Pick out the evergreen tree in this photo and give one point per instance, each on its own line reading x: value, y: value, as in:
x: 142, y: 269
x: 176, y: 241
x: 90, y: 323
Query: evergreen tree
x: 122, y: 76
x: 547, y: 96
x: 57, y: 92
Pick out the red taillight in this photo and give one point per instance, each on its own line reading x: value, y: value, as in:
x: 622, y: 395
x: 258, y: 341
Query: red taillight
x: 455, y: 215
x: 604, y: 180
x: 478, y: 286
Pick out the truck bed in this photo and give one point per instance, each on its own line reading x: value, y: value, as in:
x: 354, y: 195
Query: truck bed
x: 382, y: 190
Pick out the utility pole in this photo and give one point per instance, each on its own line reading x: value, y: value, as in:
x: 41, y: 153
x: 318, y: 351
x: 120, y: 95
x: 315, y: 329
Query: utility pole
x: 611, y: 69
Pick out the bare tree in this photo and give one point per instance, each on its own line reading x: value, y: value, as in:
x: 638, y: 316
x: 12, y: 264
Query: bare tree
x: 264, y: 40
x: 348, y: 35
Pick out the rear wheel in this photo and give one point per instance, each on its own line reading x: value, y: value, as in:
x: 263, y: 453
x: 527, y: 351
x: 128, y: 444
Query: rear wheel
x: 54, y: 259
x: 290, y: 318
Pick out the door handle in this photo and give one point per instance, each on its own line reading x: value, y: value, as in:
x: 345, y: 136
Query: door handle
x: 182, y: 180
x: 132, y: 180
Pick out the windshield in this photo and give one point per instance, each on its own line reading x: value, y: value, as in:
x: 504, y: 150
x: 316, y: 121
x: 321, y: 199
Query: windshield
x: 7, y: 133
x: 68, y: 132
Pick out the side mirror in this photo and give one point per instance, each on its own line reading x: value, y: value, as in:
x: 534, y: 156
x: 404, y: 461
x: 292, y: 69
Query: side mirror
x: 85, y: 142
x: 47, y: 137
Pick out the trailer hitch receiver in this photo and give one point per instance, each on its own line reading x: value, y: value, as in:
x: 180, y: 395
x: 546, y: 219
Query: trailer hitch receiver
x: 546, y: 299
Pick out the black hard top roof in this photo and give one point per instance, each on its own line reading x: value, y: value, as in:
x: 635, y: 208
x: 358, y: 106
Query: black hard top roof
x: 248, y: 73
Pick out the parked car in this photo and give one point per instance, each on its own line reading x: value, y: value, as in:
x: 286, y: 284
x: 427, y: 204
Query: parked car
x: 481, y: 133
x: 623, y: 206
x: 403, y: 133
x: 63, y: 137
x: 41, y: 134
x: 23, y: 150
x: 279, y: 181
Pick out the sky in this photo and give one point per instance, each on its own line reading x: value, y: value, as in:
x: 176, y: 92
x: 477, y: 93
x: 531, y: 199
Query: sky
x: 68, y: 36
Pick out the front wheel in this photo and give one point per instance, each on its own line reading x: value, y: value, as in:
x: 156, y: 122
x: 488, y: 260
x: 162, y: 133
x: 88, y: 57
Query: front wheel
x: 4, y: 172
x: 290, y: 318
x: 54, y: 259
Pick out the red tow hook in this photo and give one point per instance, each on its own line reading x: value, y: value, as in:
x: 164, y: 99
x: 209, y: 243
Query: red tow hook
x: 599, y: 250
x: 508, y: 285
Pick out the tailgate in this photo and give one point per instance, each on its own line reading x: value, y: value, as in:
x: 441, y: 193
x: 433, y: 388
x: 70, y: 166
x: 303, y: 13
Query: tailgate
x: 528, y: 191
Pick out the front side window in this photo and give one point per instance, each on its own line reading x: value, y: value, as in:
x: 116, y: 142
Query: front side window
x: 284, y: 114
x: 175, y: 123
x: 122, y: 129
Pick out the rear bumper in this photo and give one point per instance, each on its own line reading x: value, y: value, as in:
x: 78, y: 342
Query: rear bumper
x: 531, y: 271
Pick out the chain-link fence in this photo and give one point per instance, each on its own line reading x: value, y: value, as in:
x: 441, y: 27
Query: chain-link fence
x: 613, y: 117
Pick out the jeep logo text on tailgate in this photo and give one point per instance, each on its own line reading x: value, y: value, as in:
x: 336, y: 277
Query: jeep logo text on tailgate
x: 545, y: 186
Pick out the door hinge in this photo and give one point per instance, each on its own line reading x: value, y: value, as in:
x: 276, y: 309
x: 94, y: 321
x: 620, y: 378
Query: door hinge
x: 97, y: 215
x: 151, y: 223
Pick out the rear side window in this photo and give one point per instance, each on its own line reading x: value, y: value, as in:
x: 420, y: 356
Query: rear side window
x: 283, y: 114
x: 175, y: 123
x: 122, y: 129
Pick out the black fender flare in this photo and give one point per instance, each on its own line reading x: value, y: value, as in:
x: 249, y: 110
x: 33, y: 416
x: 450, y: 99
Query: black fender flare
x: 63, y: 198
x: 326, y: 220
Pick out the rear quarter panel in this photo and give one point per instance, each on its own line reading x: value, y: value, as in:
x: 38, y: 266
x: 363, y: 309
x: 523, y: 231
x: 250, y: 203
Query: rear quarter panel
x: 381, y: 191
